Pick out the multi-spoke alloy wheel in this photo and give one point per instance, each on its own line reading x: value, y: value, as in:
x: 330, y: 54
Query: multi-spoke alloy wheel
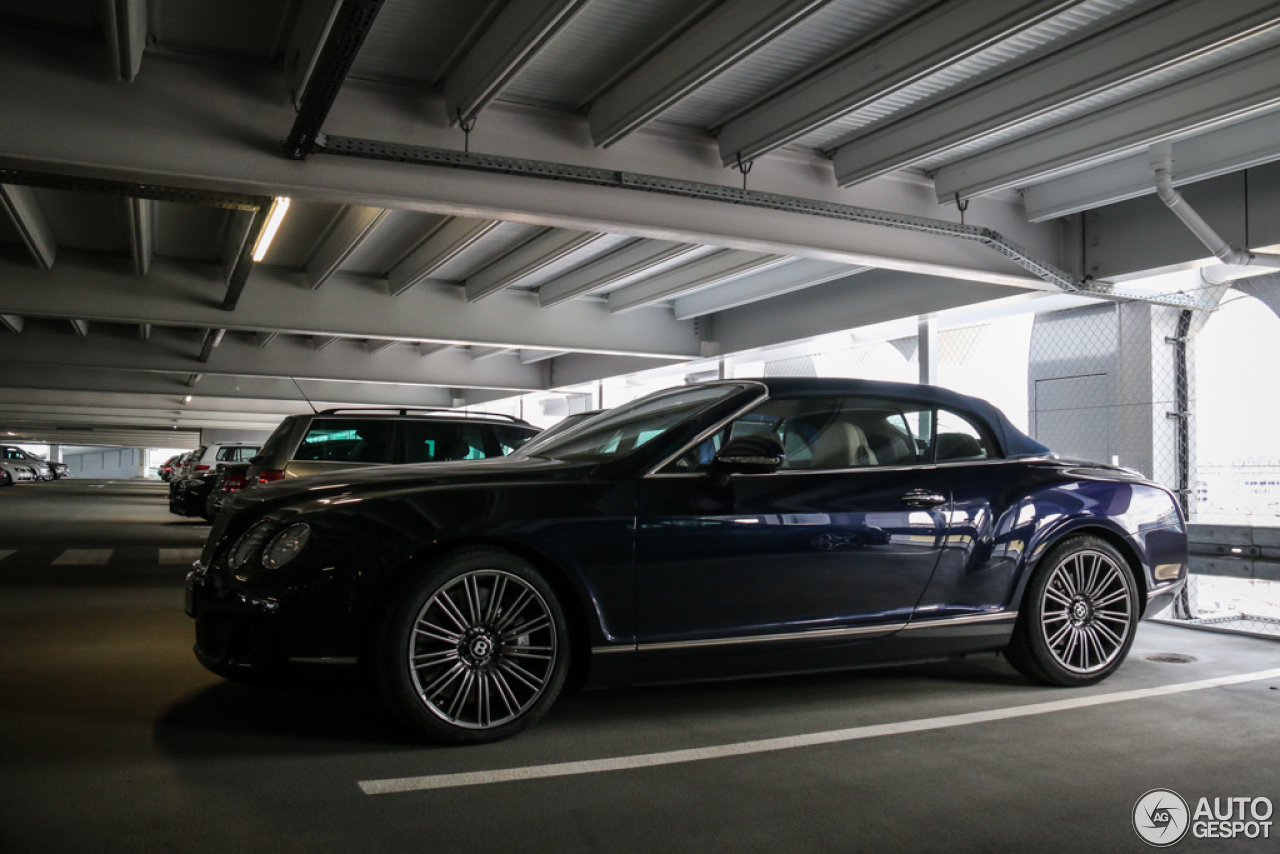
x: 1086, y: 611
x: 1078, y: 616
x: 483, y: 649
x: 475, y: 649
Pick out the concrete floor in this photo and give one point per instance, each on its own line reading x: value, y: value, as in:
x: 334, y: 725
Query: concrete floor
x: 113, y: 738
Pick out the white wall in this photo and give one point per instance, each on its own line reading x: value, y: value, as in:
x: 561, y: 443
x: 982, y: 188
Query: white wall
x: 114, y: 463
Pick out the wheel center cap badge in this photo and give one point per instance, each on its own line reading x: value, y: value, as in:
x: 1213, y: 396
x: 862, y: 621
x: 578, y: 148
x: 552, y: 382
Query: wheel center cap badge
x: 1080, y: 610
x: 481, y: 647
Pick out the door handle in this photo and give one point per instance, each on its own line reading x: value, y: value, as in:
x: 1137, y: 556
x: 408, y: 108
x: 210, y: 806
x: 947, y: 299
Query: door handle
x: 923, y: 498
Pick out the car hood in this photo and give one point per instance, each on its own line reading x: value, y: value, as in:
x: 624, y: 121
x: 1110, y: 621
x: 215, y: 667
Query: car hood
x: 377, y: 480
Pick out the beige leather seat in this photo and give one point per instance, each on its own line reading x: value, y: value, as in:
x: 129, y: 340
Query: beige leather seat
x: 842, y: 445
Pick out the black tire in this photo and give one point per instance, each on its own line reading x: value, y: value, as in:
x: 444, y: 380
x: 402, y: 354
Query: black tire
x: 476, y: 680
x: 6, y: 479
x: 1078, y: 615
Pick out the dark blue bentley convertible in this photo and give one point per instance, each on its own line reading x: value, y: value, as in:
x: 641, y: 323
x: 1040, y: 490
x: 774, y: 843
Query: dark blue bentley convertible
x: 720, y: 529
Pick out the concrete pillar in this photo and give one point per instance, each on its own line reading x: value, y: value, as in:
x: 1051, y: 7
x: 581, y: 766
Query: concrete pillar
x: 927, y: 350
x: 55, y: 453
x: 142, y: 461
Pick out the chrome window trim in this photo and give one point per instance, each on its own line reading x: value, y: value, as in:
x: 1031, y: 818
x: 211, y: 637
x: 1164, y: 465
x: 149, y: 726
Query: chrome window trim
x: 851, y: 469
x: 656, y: 471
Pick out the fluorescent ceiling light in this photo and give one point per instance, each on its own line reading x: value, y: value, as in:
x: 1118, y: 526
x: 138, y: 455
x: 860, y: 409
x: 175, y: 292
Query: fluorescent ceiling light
x: 186, y: 399
x: 278, y: 209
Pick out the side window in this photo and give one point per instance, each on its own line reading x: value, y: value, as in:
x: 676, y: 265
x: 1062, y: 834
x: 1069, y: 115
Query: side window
x: 435, y: 442
x: 820, y: 434
x: 959, y: 439
x: 348, y: 440
x: 510, y: 438
x: 238, y: 454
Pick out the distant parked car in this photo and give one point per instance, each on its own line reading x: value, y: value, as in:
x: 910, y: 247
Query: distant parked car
x: 191, y: 483
x: 339, y: 439
x: 231, y: 477
x: 38, y: 467
x: 60, y: 470
x: 11, y: 473
x: 166, y: 468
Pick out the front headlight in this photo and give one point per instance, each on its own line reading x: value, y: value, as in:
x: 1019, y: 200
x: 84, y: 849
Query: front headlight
x: 248, y: 545
x: 286, y: 545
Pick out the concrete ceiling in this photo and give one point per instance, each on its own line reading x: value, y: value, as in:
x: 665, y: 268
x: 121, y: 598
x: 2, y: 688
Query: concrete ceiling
x: 490, y: 198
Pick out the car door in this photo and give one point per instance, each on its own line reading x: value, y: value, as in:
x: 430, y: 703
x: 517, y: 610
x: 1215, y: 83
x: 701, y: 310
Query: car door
x: 838, y: 544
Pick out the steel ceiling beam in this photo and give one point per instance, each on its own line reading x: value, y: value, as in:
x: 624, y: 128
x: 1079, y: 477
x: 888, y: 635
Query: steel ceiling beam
x: 320, y: 342
x: 714, y: 269
x: 722, y: 37
x: 520, y: 31
x: 354, y: 225
x: 124, y: 28
x: 181, y: 295
x: 765, y: 284
x: 878, y: 67
x: 265, y: 338
x: 526, y: 260
x: 479, y: 353
x: 23, y: 209
x: 310, y: 31
x: 80, y: 327
x: 1230, y: 93
x: 630, y: 261
x: 144, y: 331
x: 212, y: 338
x: 450, y: 239
x: 140, y: 218
x: 532, y: 357
x: 12, y: 322
x: 42, y: 385
x: 1160, y: 41
x: 1233, y: 148
x: 337, y: 54
x: 170, y: 126
x: 176, y: 352
x: 425, y: 349
x: 378, y: 345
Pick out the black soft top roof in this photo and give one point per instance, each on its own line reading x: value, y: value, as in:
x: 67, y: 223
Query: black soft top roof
x: 1014, y: 442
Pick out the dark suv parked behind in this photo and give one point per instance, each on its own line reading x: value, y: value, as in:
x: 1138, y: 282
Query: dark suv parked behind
x: 337, y: 439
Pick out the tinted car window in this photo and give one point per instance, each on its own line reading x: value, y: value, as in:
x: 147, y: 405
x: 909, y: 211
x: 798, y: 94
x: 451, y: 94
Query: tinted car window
x: 629, y: 427
x: 828, y: 433
x: 435, y: 442
x: 959, y: 439
x: 348, y: 440
x: 510, y: 438
x: 240, y: 454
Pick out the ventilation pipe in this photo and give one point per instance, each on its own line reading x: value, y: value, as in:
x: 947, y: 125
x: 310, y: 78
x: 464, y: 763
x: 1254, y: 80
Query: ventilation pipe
x: 1236, y: 263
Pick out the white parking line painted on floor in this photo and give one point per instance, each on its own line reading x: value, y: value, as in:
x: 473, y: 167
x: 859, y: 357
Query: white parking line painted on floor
x: 179, y: 555
x: 673, y: 757
x: 82, y: 557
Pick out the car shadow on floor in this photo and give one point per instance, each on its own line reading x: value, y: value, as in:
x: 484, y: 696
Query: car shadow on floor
x: 332, y: 709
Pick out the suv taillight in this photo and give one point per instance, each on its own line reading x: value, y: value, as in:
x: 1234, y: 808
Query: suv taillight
x: 202, y: 468
x: 270, y: 475
x: 233, y: 483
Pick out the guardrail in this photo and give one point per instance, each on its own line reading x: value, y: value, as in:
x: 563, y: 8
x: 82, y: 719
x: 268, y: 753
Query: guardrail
x: 1235, y: 551
x: 1228, y: 551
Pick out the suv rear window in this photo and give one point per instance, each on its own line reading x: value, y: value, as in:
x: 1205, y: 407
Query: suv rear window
x: 510, y: 438
x: 237, y: 454
x: 348, y: 440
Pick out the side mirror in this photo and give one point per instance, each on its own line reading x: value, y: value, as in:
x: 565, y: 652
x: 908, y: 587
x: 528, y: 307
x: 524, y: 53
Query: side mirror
x: 747, y: 455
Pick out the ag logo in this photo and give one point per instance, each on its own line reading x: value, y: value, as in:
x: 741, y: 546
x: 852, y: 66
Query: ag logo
x: 1160, y: 817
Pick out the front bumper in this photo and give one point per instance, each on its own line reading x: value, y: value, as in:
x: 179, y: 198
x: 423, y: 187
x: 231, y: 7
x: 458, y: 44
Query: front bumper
x: 233, y: 628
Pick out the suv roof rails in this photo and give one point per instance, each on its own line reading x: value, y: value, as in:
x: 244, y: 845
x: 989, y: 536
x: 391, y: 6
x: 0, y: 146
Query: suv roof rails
x: 437, y: 410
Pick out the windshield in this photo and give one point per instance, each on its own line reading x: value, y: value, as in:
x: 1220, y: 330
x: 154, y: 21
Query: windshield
x: 629, y: 427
